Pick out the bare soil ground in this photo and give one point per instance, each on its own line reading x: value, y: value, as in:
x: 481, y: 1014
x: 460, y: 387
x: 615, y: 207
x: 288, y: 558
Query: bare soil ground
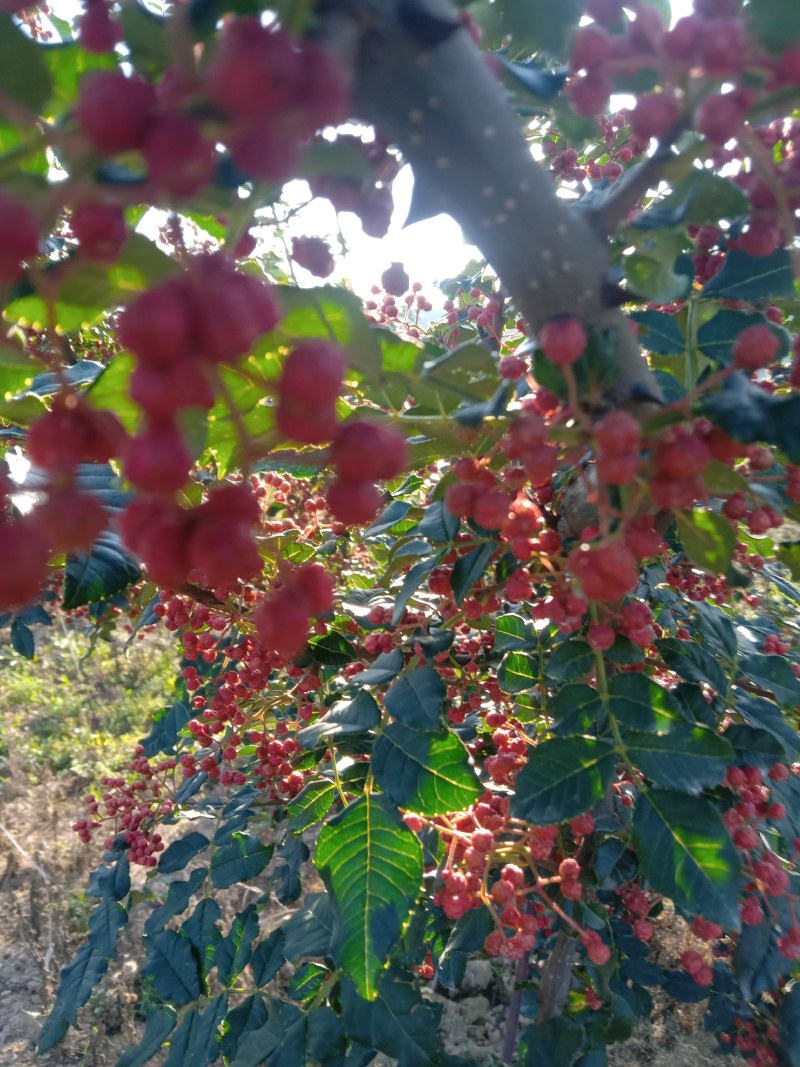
x: 43, y: 911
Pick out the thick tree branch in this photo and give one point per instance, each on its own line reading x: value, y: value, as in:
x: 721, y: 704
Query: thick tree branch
x: 628, y: 192
x: 443, y: 108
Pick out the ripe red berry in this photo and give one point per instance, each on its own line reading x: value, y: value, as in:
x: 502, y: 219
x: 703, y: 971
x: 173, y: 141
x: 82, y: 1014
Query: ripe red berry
x: 596, y: 949
x: 655, y: 115
x: 97, y: 31
x: 366, y: 451
x: 157, y: 326
x: 683, y: 456
x: 100, y: 230
x: 70, y: 520
x: 618, y: 431
x: 395, y: 280
x: 760, y: 238
x: 157, y: 459
x: 229, y: 308
x: 24, y: 550
x: 20, y: 237
x: 220, y: 547
x: 719, y: 117
x: 589, y: 94
x: 563, y: 341
x: 460, y: 499
x: 72, y: 432
x: 600, y: 636
x: 591, y: 47
x: 282, y: 624
x: 180, y: 161
x: 254, y: 71
x: 115, y: 112
x: 314, y: 255
x: 313, y: 373
x: 512, y: 368
x: 353, y: 503
x: 315, y: 586
x: 156, y: 530
x: 606, y: 572
x: 161, y: 389
x: 755, y: 347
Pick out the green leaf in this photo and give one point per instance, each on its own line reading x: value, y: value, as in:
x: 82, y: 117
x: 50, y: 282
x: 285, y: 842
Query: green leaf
x: 77, y: 981
x: 765, y: 715
x: 789, y: 1020
x: 176, y: 856
x: 305, y: 1037
x: 686, y: 853
x: 416, y: 698
x: 159, y: 1025
x: 194, y: 1043
x: 438, y: 524
x: 108, y: 567
x: 242, y: 1020
x: 310, y: 930
x: 651, y: 268
x: 424, y: 772
x: 179, y: 894
x: 233, y: 951
x: 24, y: 74
x: 394, y: 513
x: 749, y: 414
x: 172, y: 966
x: 570, y: 660
x: 372, y: 866
x: 776, y: 24
x: 110, y: 391
x: 22, y: 639
x: 717, y: 630
x: 538, y: 25
x: 699, y: 198
x: 577, y: 709
x: 346, y: 717
x: 692, y: 663
x: 775, y: 674
x: 513, y: 634
x: 563, y: 777
x: 383, y: 669
x: 745, y: 277
x: 105, y: 923
x: 331, y: 649
x: 330, y: 312
x: 411, y: 583
x: 469, y: 569
x: 553, y: 1043
x: 398, y: 1021
x: 708, y: 540
x: 146, y: 37
x: 659, y: 332
x: 717, y: 336
x: 518, y: 673
x: 268, y: 957
x: 311, y: 805
x: 242, y: 859
x: 469, y: 368
x: 53, y: 1031
x: 688, y: 758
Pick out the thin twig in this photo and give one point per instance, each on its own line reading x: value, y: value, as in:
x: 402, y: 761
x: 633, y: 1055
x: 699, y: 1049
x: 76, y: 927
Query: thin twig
x: 629, y: 191
x: 514, y: 1008
x: 28, y: 858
